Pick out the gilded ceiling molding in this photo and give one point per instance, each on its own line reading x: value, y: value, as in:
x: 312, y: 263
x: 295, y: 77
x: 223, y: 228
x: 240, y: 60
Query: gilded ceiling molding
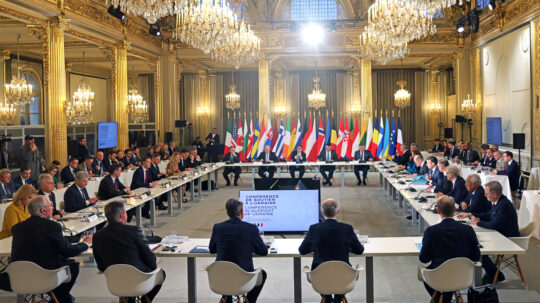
x: 41, y: 32
x: 93, y: 12
x: 143, y: 55
x: 22, y: 16
x: 90, y: 38
x: 506, y: 14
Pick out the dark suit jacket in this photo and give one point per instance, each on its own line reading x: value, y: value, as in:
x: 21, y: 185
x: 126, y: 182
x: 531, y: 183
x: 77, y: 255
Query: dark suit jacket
x: 107, y: 163
x: 236, y: 241
x: 101, y: 170
x: 10, y: 187
x: 229, y: 157
x: 155, y: 172
x: 330, y: 241
x: 193, y: 163
x: 463, y: 155
x: 135, y: 159
x: 437, y: 148
x: 423, y: 170
x: 472, y: 156
x: 303, y: 157
x: 333, y: 156
x: 477, y: 204
x: 272, y: 157
x: 66, y: 174
x: 459, y: 191
x: 106, y: 188
x: 52, y: 197
x: 73, y: 199
x: 437, y: 178
x: 18, y: 182
x: 445, y: 186
x: 117, y: 243
x: 403, y: 159
x: 488, y: 162
x: 125, y: 161
x: 139, y: 178
x: 40, y: 240
x: 367, y: 156
x: 447, y: 240
x: 451, y: 153
x: 502, y: 218
x: 211, y: 146
x: 513, y: 172
x: 182, y: 164
x: 83, y: 152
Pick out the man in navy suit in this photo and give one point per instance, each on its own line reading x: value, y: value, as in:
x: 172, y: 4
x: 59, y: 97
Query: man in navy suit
x: 237, y: 241
x: 98, y: 166
x: 300, y: 157
x: 6, y: 186
x: 327, y: 171
x: 452, y: 151
x: 76, y: 196
x: 46, y: 188
x: 330, y: 241
x: 110, y: 186
x: 68, y: 173
x: 471, y: 155
x: 434, y: 175
x: 512, y: 170
x: 267, y: 172
x: 447, y: 240
x: 475, y: 202
x: 421, y: 165
x: 143, y: 177
x: 111, y: 159
x: 230, y: 158
x: 437, y: 148
x: 24, y: 178
x: 405, y: 156
x: 362, y: 155
x: 456, y: 183
x: 441, y: 185
x: 489, y: 159
x: 183, y: 163
x: 502, y: 217
x: 154, y: 168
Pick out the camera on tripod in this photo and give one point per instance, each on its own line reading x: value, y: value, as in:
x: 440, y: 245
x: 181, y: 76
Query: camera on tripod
x: 5, y: 139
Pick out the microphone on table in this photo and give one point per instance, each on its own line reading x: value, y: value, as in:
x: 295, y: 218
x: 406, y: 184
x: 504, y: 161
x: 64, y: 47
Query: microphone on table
x: 421, y: 199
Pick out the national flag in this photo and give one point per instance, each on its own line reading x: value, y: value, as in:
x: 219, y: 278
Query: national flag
x: 256, y: 140
x: 246, y: 141
x: 354, y: 141
x: 320, y: 139
x: 346, y: 138
x: 333, y: 136
x: 250, y: 140
x: 228, y: 138
x: 374, y: 141
x: 393, y: 138
x: 369, y: 134
x: 278, y: 146
x: 275, y: 133
x: 264, y: 134
x: 386, y: 139
x: 380, y: 143
x: 290, y: 146
x: 399, y: 140
x: 240, y: 140
x: 311, y: 140
x: 269, y: 134
x: 363, y: 133
x: 328, y: 132
x: 340, y: 138
x: 306, y: 136
x: 298, y: 137
x: 286, y: 142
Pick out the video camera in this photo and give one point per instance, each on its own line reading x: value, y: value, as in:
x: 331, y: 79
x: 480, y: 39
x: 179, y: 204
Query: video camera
x: 5, y: 139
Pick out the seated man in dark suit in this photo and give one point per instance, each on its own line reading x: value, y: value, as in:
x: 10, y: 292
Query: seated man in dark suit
x: 405, y: 155
x: 24, y: 178
x: 143, y: 177
x: 475, y: 202
x: 512, y: 171
x: 421, y: 165
x: 183, y: 163
x: 299, y: 157
x: 7, y: 189
x: 157, y: 175
x: 46, y: 188
x: 86, y: 166
x: 327, y: 171
x: 447, y: 240
x: 76, y: 196
x: 503, y: 218
x: 441, y: 185
x: 330, y: 241
x: 230, y: 158
x: 111, y: 159
x: 237, y: 241
x: 194, y: 160
x: 110, y: 186
x: 98, y: 165
x: 455, y: 182
x: 489, y: 159
x: 471, y: 155
x: 267, y: 157
x: 362, y: 155
x: 437, y: 147
x: 433, y: 175
x: 38, y: 239
x: 452, y: 151
x: 68, y: 173
x: 118, y: 243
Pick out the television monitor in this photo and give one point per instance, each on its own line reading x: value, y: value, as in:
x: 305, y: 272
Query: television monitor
x: 107, y: 135
x: 494, y: 130
x: 281, y: 211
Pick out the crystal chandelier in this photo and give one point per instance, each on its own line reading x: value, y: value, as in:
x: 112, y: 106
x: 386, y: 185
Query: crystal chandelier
x: 317, y: 99
x: 468, y: 105
x: 381, y: 50
x: 232, y: 99
x: 402, y: 97
x: 151, y: 10
x: 18, y: 92
x: 7, y: 114
x: 79, y: 110
x: 137, y: 107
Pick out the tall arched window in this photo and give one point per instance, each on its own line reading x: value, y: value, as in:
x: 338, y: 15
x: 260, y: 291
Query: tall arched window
x: 306, y: 10
x: 30, y: 112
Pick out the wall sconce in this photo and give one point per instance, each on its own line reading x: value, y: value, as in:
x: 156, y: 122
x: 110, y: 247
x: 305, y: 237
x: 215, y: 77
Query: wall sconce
x: 356, y: 109
x: 280, y: 109
x: 203, y: 111
x: 435, y: 108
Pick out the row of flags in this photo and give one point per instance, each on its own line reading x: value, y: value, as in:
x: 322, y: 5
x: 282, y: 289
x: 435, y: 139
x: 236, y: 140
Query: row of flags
x: 380, y: 138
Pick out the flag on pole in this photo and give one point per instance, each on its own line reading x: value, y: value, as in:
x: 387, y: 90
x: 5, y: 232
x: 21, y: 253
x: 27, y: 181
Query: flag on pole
x: 354, y: 141
x: 333, y: 136
x: 290, y: 146
x: 228, y: 138
x: 278, y: 146
x: 286, y: 141
x: 255, y: 141
x: 275, y: 134
x: 269, y: 135
x: 363, y: 133
x: 369, y: 134
x: 297, y: 138
x: 340, y: 138
x: 346, y: 138
x: 399, y: 140
x: 306, y: 136
x: 240, y: 140
x: 386, y: 139
x: 246, y: 141
x: 328, y: 132
x: 264, y: 134
x: 311, y: 141
x: 393, y: 137
x: 250, y: 140
x: 381, y: 138
x: 320, y: 140
x: 374, y: 140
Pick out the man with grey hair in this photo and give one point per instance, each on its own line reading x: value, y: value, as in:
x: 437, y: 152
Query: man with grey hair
x: 330, y: 240
x: 500, y: 164
x: 447, y: 240
x: 7, y: 188
x: 455, y: 183
x: 405, y: 155
x: 503, y: 218
x: 46, y: 188
x: 475, y: 202
x: 236, y: 241
x: 118, y: 243
x: 421, y: 166
x: 40, y: 240
x: 76, y: 196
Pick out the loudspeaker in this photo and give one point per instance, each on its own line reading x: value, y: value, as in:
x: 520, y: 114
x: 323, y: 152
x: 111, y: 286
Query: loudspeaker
x: 448, y: 132
x: 518, y: 141
x: 180, y: 123
x: 461, y: 118
x: 168, y: 137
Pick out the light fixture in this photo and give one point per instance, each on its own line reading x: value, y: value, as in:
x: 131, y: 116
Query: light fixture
x: 381, y: 50
x: 137, y: 107
x: 402, y: 97
x: 151, y: 10
x: 7, y: 114
x: 203, y: 111
x: 280, y: 110
x: 79, y: 110
x: 313, y: 34
x: 492, y: 5
x: 473, y: 19
x: 116, y: 12
x: 435, y: 108
x: 316, y: 99
x: 468, y: 105
x: 232, y: 99
x: 356, y: 109
x: 460, y: 26
x: 18, y: 92
x: 155, y: 29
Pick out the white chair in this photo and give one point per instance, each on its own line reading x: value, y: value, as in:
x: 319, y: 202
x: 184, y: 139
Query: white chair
x: 125, y: 281
x: 522, y: 242
x: 228, y: 279
x: 451, y: 276
x: 28, y: 278
x: 333, y: 277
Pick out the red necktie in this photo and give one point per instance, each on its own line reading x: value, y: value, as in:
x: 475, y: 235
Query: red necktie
x: 146, y: 176
x: 115, y: 184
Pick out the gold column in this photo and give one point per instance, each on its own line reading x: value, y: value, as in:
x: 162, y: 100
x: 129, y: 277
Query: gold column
x: 204, y: 112
x: 121, y: 92
x: 55, y: 75
x: 356, y: 95
x: 158, y: 101
x: 264, y: 87
x: 535, y: 35
x: 477, y: 93
x: 365, y: 78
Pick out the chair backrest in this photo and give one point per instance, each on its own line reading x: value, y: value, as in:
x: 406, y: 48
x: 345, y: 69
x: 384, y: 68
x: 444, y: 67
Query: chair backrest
x: 29, y: 278
x: 528, y: 230
x: 227, y: 278
x: 124, y: 280
x: 522, y: 242
x: 333, y: 277
x: 453, y: 275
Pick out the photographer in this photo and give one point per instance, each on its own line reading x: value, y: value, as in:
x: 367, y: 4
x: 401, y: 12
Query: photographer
x: 31, y: 157
x: 3, y: 153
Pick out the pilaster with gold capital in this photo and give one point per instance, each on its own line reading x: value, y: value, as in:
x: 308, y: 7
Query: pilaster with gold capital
x: 366, y: 93
x: 121, y: 93
x: 264, y: 87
